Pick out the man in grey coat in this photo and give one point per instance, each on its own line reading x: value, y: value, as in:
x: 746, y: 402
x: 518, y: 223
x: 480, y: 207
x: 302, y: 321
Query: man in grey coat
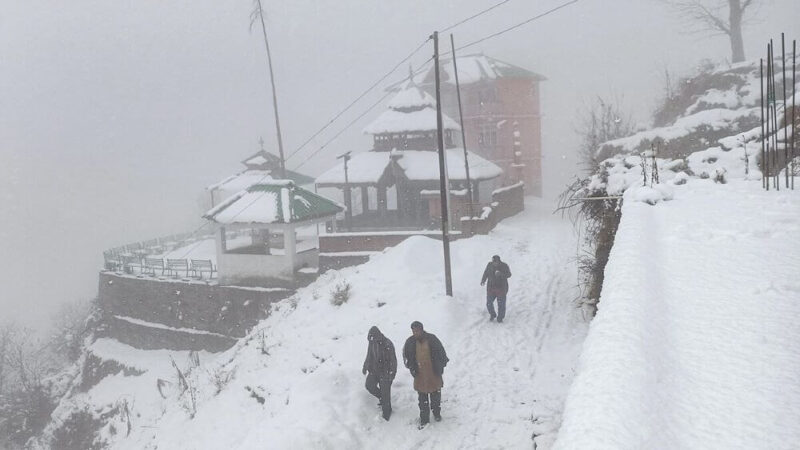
x: 380, y: 366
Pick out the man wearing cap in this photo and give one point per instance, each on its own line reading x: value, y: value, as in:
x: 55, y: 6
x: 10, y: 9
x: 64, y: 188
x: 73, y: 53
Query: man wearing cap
x: 425, y: 358
x: 497, y: 274
x: 380, y: 366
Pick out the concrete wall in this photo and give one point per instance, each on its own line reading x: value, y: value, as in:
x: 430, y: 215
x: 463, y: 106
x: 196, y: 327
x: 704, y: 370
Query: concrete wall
x: 234, y: 267
x: 225, y: 310
x: 153, y: 338
x: 506, y: 203
x: 370, y: 242
x: 510, y: 201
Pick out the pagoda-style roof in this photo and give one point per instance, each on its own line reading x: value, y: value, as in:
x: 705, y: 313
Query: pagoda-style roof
x: 273, y: 202
x: 411, y: 110
x: 479, y: 67
x: 392, y: 121
x: 366, y: 168
x: 424, y: 165
x: 262, y: 160
x: 261, y: 166
x: 369, y: 168
x: 471, y: 69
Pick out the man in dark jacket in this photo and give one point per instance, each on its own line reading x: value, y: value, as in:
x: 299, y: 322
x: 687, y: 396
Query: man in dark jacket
x: 380, y: 366
x: 425, y: 358
x: 497, y: 274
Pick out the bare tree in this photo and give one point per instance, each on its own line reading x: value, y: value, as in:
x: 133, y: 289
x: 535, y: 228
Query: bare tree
x: 8, y: 331
x: 70, y: 326
x: 718, y: 17
x: 601, y: 121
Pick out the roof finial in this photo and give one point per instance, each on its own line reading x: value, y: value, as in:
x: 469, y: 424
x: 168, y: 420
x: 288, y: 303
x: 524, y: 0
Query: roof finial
x: 261, y: 142
x: 410, y: 75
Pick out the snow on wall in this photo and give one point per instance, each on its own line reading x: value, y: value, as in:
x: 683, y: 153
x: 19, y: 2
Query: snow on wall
x: 696, y: 343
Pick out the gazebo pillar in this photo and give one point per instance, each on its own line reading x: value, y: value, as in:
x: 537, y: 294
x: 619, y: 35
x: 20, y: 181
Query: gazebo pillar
x: 364, y: 200
x: 290, y: 246
x: 382, y: 206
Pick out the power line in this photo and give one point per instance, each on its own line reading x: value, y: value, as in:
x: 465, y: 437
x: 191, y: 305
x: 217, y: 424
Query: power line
x: 363, y: 94
x: 371, y: 107
x: 381, y: 79
x: 344, y: 129
x: 506, y: 30
x: 475, y: 15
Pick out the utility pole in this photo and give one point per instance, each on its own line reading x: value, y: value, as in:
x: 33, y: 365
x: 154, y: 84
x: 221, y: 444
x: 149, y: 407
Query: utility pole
x: 461, y: 122
x: 274, y: 95
x: 444, y: 189
x: 348, y: 200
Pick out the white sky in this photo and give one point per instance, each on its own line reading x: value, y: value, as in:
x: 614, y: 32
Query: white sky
x: 115, y: 115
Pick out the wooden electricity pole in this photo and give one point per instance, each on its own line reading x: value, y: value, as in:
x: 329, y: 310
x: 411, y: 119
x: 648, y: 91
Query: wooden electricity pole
x: 444, y: 189
x: 274, y: 95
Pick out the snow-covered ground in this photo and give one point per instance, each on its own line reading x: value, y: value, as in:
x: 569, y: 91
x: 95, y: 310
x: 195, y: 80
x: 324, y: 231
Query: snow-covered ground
x: 696, y: 343
x: 504, y: 383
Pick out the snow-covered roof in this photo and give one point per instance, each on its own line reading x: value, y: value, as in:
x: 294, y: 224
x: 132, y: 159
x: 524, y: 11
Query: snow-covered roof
x: 393, y: 121
x: 416, y: 165
x: 242, y: 180
x: 473, y: 69
x: 412, y: 97
x: 424, y: 165
x: 362, y: 168
x: 273, y: 202
x: 247, y: 178
x: 262, y: 158
x: 256, y: 160
x: 412, y: 109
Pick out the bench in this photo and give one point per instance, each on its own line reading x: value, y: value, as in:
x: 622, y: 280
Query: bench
x: 202, y: 265
x: 176, y: 265
x: 151, y: 264
x: 129, y: 262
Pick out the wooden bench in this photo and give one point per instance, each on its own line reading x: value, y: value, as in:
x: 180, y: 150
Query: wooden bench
x: 129, y: 262
x: 176, y: 265
x: 202, y: 265
x: 151, y: 264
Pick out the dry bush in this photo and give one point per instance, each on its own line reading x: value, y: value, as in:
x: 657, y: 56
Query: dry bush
x: 340, y: 293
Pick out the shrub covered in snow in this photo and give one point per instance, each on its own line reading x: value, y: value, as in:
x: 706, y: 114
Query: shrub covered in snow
x: 340, y: 293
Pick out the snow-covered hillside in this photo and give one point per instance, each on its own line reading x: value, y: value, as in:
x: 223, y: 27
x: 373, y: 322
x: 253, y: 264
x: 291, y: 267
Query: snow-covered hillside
x: 296, y: 381
x: 696, y: 343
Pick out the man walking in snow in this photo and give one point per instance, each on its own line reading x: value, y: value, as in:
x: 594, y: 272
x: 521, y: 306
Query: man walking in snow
x: 497, y: 274
x: 425, y: 358
x: 380, y: 366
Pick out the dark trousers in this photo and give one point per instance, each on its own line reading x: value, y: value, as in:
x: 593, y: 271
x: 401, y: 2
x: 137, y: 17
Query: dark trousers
x: 381, y: 387
x: 501, y: 305
x: 429, y: 402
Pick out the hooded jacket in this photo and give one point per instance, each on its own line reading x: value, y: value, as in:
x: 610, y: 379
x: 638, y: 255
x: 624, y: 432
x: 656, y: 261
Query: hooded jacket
x: 381, y: 359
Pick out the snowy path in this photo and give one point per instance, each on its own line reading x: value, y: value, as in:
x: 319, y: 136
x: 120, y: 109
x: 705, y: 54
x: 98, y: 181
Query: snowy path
x: 504, y: 382
x: 697, y: 340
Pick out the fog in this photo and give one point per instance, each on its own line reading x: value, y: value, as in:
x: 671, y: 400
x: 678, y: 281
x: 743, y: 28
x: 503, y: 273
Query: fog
x: 115, y: 115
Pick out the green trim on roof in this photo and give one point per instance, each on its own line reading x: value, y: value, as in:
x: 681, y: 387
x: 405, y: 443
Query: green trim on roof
x: 305, y: 205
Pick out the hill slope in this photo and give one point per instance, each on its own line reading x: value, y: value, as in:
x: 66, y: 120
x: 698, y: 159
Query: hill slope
x: 296, y: 381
